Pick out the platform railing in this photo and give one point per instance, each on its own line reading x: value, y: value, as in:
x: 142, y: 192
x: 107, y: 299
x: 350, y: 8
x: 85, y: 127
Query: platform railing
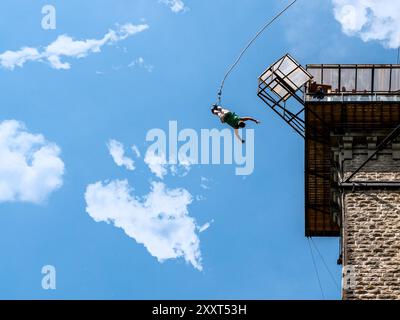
x: 352, y: 97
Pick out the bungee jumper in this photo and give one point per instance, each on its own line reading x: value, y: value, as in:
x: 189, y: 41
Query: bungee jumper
x: 225, y: 115
x: 232, y: 119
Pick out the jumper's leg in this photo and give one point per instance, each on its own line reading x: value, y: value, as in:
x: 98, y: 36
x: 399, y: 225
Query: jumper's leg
x: 237, y: 136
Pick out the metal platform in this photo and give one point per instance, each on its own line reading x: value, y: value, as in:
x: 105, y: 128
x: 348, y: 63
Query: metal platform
x: 322, y: 103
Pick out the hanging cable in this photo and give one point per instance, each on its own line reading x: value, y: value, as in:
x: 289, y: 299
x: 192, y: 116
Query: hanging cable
x: 326, y: 265
x: 219, y: 95
x: 316, y: 269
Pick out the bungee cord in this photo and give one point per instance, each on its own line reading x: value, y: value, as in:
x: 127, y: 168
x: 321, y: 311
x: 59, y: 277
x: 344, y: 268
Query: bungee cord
x: 263, y: 28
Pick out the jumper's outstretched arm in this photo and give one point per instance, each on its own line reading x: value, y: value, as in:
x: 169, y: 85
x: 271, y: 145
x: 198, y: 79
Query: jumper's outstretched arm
x: 250, y: 119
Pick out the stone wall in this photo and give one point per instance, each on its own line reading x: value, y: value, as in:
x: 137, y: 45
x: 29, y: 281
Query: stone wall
x: 371, y: 229
x: 372, y: 245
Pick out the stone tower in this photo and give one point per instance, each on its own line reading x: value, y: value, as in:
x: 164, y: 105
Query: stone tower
x: 370, y: 219
x: 349, y: 116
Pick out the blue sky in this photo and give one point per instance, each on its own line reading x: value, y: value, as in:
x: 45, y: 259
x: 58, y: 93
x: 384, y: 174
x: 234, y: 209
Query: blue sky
x: 255, y: 246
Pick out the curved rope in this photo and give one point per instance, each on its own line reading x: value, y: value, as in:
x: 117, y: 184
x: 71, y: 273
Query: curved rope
x: 219, y: 95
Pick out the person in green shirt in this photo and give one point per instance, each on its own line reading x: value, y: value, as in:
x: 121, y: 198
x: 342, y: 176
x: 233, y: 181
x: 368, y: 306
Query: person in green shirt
x: 232, y: 119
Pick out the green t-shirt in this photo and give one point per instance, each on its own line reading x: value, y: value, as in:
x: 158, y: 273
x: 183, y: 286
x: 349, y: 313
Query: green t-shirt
x: 232, y: 119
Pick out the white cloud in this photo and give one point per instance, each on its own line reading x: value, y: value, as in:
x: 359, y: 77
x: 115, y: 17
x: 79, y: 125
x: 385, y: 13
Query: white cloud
x: 370, y: 20
x: 157, y: 163
x: 117, y: 152
x: 66, y: 47
x: 136, y: 151
x: 12, y: 59
x: 205, y: 183
x: 30, y: 166
x: 200, y: 197
x: 139, y: 62
x: 205, y: 226
x: 180, y: 170
x: 175, y: 5
x: 159, y: 221
x: 184, y: 166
